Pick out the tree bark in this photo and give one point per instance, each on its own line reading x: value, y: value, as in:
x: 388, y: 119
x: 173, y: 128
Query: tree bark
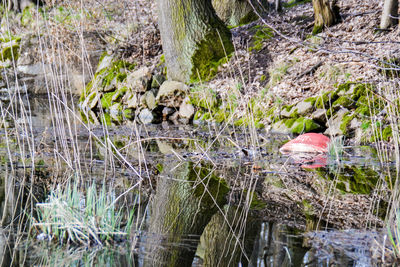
x: 233, y: 11
x: 324, y: 13
x: 389, y: 14
x: 186, y: 199
x: 194, y: 39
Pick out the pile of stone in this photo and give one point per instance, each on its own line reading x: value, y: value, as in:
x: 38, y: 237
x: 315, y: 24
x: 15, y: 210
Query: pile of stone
x: 123, y: 92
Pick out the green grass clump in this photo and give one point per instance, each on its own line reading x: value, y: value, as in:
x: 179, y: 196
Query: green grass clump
x: 69, y: 216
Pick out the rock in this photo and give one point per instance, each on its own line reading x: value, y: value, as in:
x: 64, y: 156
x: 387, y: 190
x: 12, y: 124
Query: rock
x: 304, y: 107
x: 355, y: 124
x: 25, y: 59
x: 146, y: 116
x: 171, y: 93
x: 9, y: 50
x: 115, y: 111
x: 183, y: 121
x: 174, y: 117
x: 79, y: 82
x: 158, y: 79
x: 150, y: 100
x: 280, y: 127
x: 319, y: 115
x: 186, y: 110
x: 111, y: 86
x: 91, y: 101
x: 164, y: 147
x: 286, y: 113
x: 304, y: 125
x: 297, y: 126
x: 133, y: 101
x: 105, y: 62
x: 139, y: 80
x: 35, y: 69
x: 334, y: 123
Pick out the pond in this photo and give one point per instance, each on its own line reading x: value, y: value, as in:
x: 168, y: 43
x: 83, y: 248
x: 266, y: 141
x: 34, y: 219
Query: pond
x: 205, y: 195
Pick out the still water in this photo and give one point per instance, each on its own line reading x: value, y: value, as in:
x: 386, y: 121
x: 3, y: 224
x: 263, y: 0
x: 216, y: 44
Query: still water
x: 203, y: 195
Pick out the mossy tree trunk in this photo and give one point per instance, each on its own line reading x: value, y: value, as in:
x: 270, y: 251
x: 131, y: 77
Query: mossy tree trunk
x: 233, y: 11
x: 194, y: 39
x: 229, y: 238
x: 186, y: 199
x: 325, y: 14
x: 389, y: 14
x: 236, y: 12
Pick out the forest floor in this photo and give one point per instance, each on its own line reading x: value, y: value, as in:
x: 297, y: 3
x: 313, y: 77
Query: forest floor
x: 288, y: 64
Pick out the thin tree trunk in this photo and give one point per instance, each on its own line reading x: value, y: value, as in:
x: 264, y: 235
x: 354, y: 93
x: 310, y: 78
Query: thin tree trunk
x: 324, y: 14
x: 389, y: 14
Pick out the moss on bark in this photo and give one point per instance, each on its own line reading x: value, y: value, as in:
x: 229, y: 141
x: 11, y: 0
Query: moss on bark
x: 195, y: 41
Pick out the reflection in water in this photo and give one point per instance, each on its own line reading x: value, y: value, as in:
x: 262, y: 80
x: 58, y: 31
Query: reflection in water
x: 186, y: 198
x: 190, y: 221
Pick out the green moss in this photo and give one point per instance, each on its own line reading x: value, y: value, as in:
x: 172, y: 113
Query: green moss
x: 212, y: 190
x: 214, y: 50
x: 304, y: 125
x: 204, y: 97
x: 261, y: 35
x: 119, y: 94
x: 106, y: 100
x: 26, y: 16
x: 317, y: 29
x: 221, y: 115
x: 352, y: 179
x: 387, y: 133
x: 325, y: 100
x: 103, y: 78
x: 159, y: 167
x: 250, y: 17
x: 105, y: 119
x: 369, y: 105
x: 346, y: 121
x: 256, y: 203
x: 312, y: 100
x: 343, y: 101
x: 10, y: 51
x: 129, y: 113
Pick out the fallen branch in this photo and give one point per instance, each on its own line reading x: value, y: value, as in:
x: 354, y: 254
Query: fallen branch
x: 310, y: 71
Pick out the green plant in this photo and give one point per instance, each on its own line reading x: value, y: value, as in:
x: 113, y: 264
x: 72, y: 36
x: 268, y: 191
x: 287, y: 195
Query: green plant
x: 70, y: 216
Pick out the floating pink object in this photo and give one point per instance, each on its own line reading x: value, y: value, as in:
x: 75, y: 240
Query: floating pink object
x: 306, y: 143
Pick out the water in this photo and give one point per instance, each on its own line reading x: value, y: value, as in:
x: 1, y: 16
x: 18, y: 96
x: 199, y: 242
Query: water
x: 204, y: 195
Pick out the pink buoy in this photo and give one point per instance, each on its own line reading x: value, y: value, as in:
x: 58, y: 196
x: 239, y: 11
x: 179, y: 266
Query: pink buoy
x: 306, y: 143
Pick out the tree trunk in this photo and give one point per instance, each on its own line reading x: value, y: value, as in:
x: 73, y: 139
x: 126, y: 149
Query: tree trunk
x: 222, y: 236
x: 194, y: 39
x: 186, y: 199
x: 389, y: 14
x: 324, y: 13
x: 232, y: 12
x: 278, y: 5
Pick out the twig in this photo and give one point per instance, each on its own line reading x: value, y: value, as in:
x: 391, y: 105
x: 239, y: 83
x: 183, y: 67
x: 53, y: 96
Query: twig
x: 310, y: 71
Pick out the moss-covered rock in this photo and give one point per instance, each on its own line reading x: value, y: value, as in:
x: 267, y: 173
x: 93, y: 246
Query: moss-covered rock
x: 10, y: 49
x: 352, y: 179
